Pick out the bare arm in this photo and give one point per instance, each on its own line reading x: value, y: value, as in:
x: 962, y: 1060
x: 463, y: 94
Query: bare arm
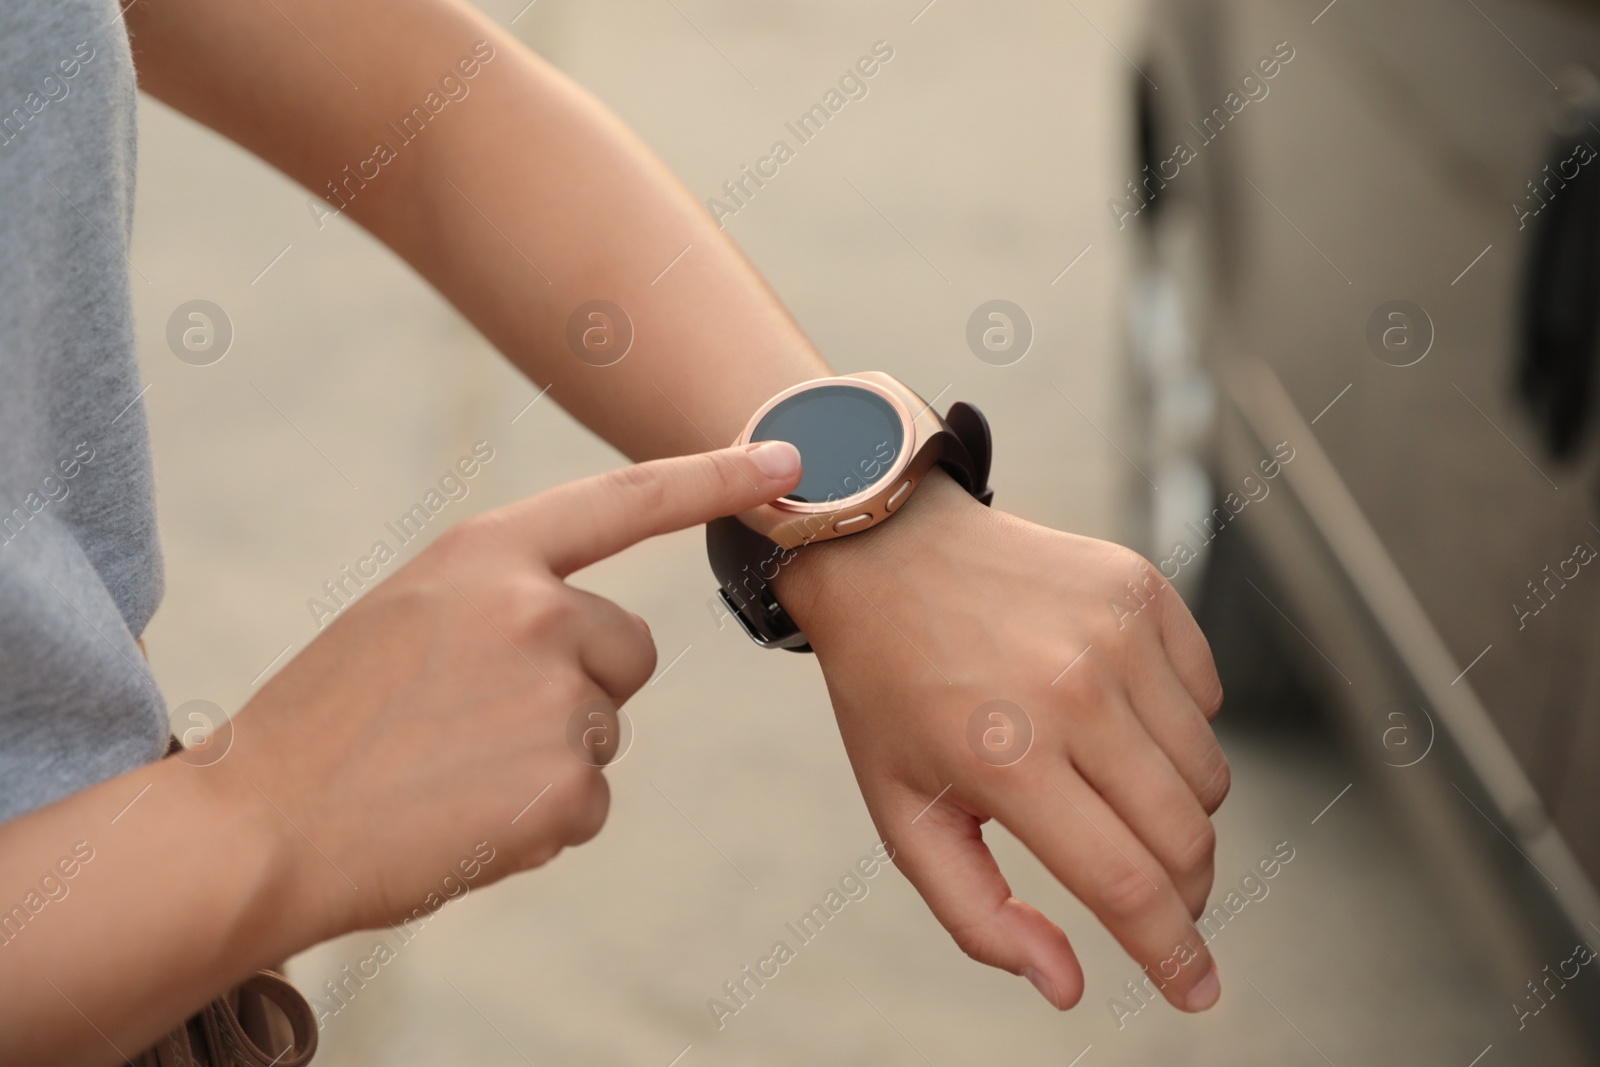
x: 519, y: 201
x: 138, y: 920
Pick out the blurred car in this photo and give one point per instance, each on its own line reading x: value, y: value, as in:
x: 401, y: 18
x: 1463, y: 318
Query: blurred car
x: 1364, y: 325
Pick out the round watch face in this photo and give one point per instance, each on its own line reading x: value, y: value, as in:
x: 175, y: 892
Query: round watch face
x: 849, y: 439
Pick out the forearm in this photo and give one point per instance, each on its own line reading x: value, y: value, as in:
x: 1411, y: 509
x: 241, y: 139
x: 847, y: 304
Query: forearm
x: 519, y: 201
x: 601, y: 217
x: 130, y: 905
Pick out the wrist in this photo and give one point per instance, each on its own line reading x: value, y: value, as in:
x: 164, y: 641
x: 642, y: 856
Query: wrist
x: 287, y: 899
x: 821, y: 574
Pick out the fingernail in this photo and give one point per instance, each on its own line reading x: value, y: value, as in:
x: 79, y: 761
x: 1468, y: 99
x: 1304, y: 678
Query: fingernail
x: 1206, y: 993
x: 1046, y: 988
x: 640, y: 619
x: 778, y: 460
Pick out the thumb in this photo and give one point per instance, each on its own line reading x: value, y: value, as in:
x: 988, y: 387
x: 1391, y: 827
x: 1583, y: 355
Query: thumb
x: 574, y: 525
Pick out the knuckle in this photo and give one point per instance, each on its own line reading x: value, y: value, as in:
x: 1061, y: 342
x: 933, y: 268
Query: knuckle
x: 1127, y: 895
x: 465, y: 541
x: 591, y: 742
x: 1141, y: 572
x: 642, y: 661
x: 546, y: 606
x: 1199, y: 846
x: 1123, y: 559
x: 588, y: 808
x: 614, y: 634
x: 974, y: 937
x: 571, y: 779
x: 642, y: 484
x: 595, y: 737
x: 1218, y: 782
x: 1084, y: 686
x: 1201, y: 888
x: 723, y: 473
x: 455, y: 559
x: 1136, y: 594
x: 528, y: 605
x: 1147, y: 576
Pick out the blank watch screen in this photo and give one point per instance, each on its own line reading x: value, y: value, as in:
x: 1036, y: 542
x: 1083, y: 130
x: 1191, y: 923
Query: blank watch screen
x: 848, y: 437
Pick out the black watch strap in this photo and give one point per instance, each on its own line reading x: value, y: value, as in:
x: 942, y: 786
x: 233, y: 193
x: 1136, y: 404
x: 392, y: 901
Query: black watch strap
x: 745, y: 562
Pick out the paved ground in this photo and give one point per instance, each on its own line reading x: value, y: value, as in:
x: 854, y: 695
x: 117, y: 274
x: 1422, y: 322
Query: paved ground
x: 988, y: 145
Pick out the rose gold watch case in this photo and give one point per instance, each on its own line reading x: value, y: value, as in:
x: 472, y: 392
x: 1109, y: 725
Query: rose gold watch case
x: 791, y: 524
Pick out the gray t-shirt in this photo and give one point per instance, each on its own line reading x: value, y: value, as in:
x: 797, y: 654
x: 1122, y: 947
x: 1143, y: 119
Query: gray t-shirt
x: 80, y: 567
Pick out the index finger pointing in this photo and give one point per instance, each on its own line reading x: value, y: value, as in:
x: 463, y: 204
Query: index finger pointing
x: 574, y: 525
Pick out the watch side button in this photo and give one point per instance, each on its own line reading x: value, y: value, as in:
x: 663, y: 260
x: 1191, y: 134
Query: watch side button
x: 852, y: 524
x: 898, y: 497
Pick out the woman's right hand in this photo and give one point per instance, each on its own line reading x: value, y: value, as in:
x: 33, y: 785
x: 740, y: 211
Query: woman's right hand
x: 433, y: 711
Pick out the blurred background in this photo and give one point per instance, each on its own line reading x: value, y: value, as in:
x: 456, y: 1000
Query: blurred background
x: 1442, y: 832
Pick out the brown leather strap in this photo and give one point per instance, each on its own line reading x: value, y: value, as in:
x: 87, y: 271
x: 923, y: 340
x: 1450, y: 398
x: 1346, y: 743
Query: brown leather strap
x: 263, y: 1023
x: 969, y: 450
x: 231, y: 1044
x: 173, y: 1050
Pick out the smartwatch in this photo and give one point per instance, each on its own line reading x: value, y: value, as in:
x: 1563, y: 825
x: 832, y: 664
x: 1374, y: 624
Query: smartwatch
x: 866, y: 441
